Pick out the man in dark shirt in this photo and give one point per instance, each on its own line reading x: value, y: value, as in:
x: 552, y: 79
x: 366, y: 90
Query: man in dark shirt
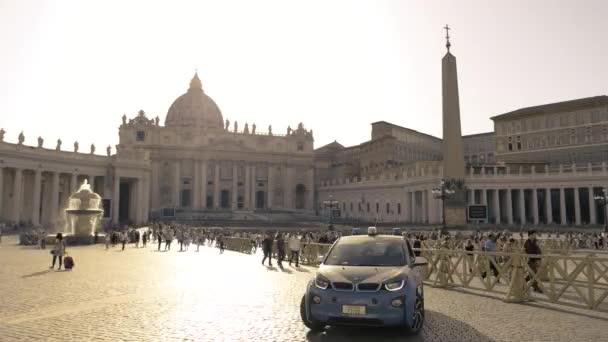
x: 280, y: 249
x: 531, y: 247
x: 267, y: 249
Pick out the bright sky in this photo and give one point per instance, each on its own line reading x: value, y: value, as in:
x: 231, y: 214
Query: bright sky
x: 71, y: 69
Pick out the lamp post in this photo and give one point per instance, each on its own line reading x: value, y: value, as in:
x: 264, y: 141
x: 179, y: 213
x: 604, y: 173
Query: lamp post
x: 442, y: 193
x: 331, y: 203
x: 603, y: 201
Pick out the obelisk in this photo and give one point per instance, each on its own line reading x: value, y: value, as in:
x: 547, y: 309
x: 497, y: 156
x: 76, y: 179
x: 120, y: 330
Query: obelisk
x: 453, y: 157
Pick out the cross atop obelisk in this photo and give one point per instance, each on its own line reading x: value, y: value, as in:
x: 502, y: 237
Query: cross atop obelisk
x: 447, y: 37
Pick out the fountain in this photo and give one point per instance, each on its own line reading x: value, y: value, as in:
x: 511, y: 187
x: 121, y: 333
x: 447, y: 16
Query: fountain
x: 83, y: 212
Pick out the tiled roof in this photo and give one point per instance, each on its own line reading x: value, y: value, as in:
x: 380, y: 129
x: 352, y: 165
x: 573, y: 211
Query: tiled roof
x: 565, y: 106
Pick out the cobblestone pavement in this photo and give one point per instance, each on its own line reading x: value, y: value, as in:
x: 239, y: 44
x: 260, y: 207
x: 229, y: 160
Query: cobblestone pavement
x: 145, y: 295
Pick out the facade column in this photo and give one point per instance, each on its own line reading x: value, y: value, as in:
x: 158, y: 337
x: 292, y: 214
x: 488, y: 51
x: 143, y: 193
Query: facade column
x: 509, y: 207
x: 17, y: 195
x: 592, y: 207
x: 471, y: 195
x: 247, y: 204
x: 432, y: 206
x: 522, y: 206
x: 204, y: 181
x: 484, y: 196
x: 270, y: 186
x: 548, y: 206
x: 54, y: 198
x: 73, y: 183
x: 577, y: 207
x: 2, y: 211
x: 177, y: 185
x: 116, y: 199
x: 146, y: 199
x: 216, y: 186
x: 496, y: 205
x: 310, y: 185
x: 562, y: 206
x: 535, y: 213
x: 196, y: 186
x: 140, y: 201
x: 36, y: 199
x: 154, y: 187
x: 235, y: 185
x: 289, y: 188
x: 254, y: 186
x: 92, y: 182
x: 413, y: 203
x: 425, y: 216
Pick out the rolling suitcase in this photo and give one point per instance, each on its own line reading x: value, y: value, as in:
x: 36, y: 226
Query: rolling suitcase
x: 68, y: 262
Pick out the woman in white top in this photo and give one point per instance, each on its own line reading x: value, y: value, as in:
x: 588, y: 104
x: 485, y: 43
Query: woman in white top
x: 58, y: 251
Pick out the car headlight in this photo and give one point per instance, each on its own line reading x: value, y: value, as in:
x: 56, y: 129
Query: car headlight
x: 394, y: 285
x: 321, y: 282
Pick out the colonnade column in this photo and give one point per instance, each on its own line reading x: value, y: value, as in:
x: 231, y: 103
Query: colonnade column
x: 548, y: 206
x: 73, y: 183
x: 562, y: 206
x: 424, y: 205
x: 509, y: 207
x: 92, y: 182
x: 17, y: 192
x: 36, y: 199
x: 522, y: 206
x: 235, y: 186
x: 154, y: 188
x: 535, y: 218
x: 484, y: 196
x: 2, y: 191
x: 115, y: 199
x: 471, y: 196
x: 140, y: 216
x: 203, y: 188
x: 577, y: 207
x: 254, y: 184
x: 247, y: 204
x: 413, y: 203
x: 196, y: 186
x: 54, y: 198
x: 406, y: 207
x: 592, y: 207
x: 310, y: 185
x: 270, y: 186
x: 496, y: 204
x: 177, y: 185
x: 216, y: 186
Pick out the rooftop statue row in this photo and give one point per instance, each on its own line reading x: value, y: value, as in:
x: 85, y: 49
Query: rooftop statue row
x: 141, y: 119
x: 21, y: 140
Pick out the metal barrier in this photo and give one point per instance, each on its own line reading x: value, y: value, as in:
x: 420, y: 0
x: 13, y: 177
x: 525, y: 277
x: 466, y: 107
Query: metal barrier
x: 309, y: 253
x: 578, y: 281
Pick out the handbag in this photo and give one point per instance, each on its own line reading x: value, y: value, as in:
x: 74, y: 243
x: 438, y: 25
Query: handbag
x: 52, y: 252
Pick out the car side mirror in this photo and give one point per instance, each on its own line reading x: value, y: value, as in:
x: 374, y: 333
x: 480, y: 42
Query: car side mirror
x: 420, y: 261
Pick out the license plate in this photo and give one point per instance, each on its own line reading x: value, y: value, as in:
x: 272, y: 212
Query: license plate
x: 355, y: 310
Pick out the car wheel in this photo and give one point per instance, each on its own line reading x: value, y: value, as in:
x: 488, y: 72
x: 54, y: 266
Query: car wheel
x: 312, y: 324
x: 418, y: 314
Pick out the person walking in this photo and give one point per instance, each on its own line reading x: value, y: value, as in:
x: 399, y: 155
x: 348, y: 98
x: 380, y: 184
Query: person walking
x: 531, y: 247
x: 159, y: 237
x: 294, y: 248
x: 490, y: 247
x: 108, y: 239
x: 144, y: 239
x: 58, y: 251
x: 136, y: 237
x: 168, y: 239
x: 123, y: 239
x: 267, y: 249
x: 469, y: 247
x: 280, y: 249
x: 220, y: 242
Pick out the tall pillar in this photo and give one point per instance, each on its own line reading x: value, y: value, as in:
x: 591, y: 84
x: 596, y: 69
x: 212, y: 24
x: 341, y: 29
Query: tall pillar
x: 196, y: 186
x: 146, y: 200
x: 310, y: 189
x: 2, y: 211
x: 216, y: 186
x: 562, y: 206
x: 235, y: 185
x: 115, y: 199
x: 577, y: 207
x: 484, y: 196
x: 141, y: 186
x: 204, y: 182
x: 424, y: 206
x: 154, y: 186
x: 496, y: 204
x: 414, y: 206
x: 471, y: 196
x: 36, y: 197
x: 535, y: 206
x: 247, y: 204
x: 177, y: 184
x: 17, y: 195
x: 522, y: 206
x: 270, y: 186
x: 73, y: 183
x: 92, y: 182
x: 592, y: 207
x: 289, y: 187
x: 452, y: 148
x: 54, y: 207
x: 509, y: 207
x: 254, y: 186
x: 548, y: 206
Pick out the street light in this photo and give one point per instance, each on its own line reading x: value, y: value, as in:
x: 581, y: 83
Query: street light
x: 603, y: 201
x: 331, y: 203
x: 442, y: 193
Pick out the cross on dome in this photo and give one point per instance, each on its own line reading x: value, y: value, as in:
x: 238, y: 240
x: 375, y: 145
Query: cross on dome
x: 196, y: 83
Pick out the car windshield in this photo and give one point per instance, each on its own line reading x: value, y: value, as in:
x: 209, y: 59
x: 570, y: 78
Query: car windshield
x: 369, y: 252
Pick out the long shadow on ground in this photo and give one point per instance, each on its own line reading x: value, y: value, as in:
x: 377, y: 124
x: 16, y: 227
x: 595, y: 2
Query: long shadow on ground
x: 438, y: 327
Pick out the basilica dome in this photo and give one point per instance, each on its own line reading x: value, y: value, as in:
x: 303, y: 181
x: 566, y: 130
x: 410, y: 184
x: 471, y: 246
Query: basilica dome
x: 194, y: 109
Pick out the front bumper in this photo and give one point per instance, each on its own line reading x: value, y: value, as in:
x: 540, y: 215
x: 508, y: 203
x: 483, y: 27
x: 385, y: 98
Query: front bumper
x: 379, y: 311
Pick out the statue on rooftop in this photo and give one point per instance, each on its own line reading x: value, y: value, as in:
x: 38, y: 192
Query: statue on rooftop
x: 92, y: 148
x: 288, y: 130
x: 253, y: 129
x: 2, y: 134
x: 269, y: 129
x: 21, y: 138
x: 124, y: 119
x: 246, y: 128
x: 75, y: 146
x: 58, y: 148
x: 109, y: 149
x: 227, y: 125
x: 236, y: 126
x: 156, y: 120
x: 40, y: 142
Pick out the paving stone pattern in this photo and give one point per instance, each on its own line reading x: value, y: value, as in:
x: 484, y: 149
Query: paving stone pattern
x: 145, y: 295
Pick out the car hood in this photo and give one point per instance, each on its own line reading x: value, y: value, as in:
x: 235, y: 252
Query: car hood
x: 362, y: 274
